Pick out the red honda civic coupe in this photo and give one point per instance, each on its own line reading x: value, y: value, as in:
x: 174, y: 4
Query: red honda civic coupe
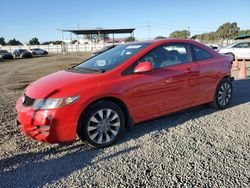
x: 125, y: 85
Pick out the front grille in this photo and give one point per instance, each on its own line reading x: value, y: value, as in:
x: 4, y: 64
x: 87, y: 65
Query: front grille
x: 27, y: 101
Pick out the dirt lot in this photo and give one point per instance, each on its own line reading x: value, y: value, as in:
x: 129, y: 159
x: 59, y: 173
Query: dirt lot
x: 200, y: 147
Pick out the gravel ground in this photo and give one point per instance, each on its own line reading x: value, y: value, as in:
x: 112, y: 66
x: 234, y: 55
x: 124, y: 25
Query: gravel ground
x: 199, y: 147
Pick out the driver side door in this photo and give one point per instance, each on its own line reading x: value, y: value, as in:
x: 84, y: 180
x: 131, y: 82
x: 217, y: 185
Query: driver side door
x: 169, y: 86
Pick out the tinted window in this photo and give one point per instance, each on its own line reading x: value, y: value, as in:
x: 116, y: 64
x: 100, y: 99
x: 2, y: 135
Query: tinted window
x: 201, y: 54
x: 168, y: 55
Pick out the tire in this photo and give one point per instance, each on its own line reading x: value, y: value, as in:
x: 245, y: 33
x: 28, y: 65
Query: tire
x: 101, y: 124
x: 223, y: 94
x: 231, y: 54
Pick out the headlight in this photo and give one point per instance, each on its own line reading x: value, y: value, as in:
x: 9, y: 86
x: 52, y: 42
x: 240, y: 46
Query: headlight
x: 51, y: 103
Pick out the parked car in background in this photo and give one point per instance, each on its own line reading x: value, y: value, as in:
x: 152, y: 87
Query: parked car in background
x: 104, y: 49
x: 38, y: 51
x: 5, y: 54
x: 241, y: 50
x: 125, y: 85
x: 22, y: 53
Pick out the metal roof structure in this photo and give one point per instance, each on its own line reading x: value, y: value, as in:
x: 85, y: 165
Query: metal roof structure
x: 243, y: 36
x: 99, y: 31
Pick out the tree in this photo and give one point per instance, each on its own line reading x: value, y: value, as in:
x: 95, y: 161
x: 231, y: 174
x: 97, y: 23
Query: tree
x: 97, y: 37
x: 57, y: 42
x: 47, y: 43
x: 2, y: 41
x: 14, y: 42
x: 182, y: 34
x: 74, y: 42
x: 228, y: 30
x: 206, y: 37
x: 160, y: 37
x: 244, y: 32
x: 130, y: 39
x: 34, y: 41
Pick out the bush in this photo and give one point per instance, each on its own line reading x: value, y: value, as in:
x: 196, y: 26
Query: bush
x: 34, y: 41
x: 130, y: 39
x: 2, y: 41
x: 14, y: 42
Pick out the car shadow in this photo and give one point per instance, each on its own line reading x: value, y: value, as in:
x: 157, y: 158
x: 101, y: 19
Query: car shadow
x: 78, y: 156
x: 36, y: 169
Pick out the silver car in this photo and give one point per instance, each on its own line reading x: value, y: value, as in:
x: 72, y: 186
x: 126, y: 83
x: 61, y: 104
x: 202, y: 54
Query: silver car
x: 240, y: 50
x: 38, y: 51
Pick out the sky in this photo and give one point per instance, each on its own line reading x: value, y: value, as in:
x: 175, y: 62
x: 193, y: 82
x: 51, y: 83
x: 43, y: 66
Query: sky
x: 26, y: 19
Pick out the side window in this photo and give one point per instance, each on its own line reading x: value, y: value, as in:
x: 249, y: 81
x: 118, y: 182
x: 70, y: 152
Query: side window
x: 201, y: 54
x: 168, y: 55
x: 241, y: 45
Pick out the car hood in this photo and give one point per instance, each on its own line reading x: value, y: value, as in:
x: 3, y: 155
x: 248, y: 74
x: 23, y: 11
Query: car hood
x: 60, y: 84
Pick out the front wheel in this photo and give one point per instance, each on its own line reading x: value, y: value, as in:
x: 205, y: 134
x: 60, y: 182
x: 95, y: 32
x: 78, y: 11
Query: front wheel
x: 102, y: 124
x: 223, y: 94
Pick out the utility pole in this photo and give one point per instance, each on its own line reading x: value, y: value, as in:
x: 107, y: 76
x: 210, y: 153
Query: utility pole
x: 189, y: 31
x: 62, y: 44
x: 149, y: 28
x: 78, y: 27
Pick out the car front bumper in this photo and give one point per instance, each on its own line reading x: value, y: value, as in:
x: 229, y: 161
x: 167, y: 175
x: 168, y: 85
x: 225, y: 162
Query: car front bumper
x: 49, y: 126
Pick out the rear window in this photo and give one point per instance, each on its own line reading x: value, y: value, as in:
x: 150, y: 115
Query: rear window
x: 201, y: 54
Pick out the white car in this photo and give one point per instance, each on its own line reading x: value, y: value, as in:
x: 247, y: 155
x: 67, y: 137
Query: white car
x: 241, y: 50
x: 38, y: 51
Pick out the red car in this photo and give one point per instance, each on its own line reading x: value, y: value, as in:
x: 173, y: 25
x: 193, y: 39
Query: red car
x: 125, y: 85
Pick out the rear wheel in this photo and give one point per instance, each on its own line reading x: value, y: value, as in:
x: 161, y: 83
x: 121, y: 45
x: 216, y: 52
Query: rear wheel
x: 223, y: 94
x: 102, y: 124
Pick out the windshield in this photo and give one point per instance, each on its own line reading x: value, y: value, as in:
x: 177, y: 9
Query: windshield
x: 112, y: 58
x: 230, y: 45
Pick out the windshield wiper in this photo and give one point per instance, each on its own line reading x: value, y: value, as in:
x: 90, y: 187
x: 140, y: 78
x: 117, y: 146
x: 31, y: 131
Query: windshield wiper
x: 87, y: 69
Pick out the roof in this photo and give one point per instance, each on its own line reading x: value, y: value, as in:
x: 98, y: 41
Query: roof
x: 243, y: 36
x: 99, y: 31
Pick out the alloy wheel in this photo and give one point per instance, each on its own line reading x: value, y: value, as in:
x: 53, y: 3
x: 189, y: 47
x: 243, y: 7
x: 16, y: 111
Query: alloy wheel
x: 224, y: 94
x: 103, y: 126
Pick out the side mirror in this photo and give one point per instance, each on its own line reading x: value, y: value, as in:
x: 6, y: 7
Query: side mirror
x: 143, y: 67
